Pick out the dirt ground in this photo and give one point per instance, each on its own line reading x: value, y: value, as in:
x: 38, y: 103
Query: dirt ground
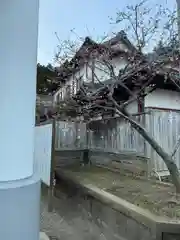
x: 68, y: 221
x: 155, y: 197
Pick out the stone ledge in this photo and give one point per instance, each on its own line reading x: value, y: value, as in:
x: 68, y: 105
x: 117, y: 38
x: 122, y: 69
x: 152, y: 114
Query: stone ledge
x: 158, y: 226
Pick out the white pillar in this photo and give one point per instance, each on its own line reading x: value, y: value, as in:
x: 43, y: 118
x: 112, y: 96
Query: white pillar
x: 19, y: 188
x: 18, y: 54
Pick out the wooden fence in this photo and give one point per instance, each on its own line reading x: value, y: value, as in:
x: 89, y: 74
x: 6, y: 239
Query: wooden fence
x: 70, y: 135
x: 164, y: 126
x: 117, y: 135
x: 120, y: 137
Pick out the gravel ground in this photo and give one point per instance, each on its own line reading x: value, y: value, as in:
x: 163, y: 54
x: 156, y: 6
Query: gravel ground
x: 68, y: 221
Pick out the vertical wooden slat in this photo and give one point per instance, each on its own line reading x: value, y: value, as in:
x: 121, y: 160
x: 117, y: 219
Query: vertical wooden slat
x: 164, y: 127
x: 66, y: 135
x: 122, y: 137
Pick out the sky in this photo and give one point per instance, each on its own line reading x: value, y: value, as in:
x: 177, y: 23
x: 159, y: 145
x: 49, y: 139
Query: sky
x: 87, y: 18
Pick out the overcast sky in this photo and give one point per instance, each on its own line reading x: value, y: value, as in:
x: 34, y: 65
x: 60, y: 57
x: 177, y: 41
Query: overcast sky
x: 90, y: 17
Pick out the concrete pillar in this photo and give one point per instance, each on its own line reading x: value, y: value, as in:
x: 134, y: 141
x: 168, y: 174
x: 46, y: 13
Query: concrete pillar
x: 19, y: 187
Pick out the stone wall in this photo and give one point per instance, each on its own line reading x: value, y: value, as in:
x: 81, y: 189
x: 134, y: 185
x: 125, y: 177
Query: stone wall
x: 114, y: 222
x: 114, y: 225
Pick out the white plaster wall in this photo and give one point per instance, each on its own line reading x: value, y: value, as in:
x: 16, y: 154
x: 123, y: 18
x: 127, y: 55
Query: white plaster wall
x: 61, y: 90
x: 163, y: 99
x: 42, y: 152
x: 158, y: 99
x: 118, y: 63
x: 121, y: 46
x: 132, y: 108
x: 55, y: 97
x: 102, y: 71
x: 81, y: 73
x: 74, y: 77
x: 86, y: 72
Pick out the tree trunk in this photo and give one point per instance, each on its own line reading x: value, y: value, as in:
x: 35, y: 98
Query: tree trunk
x: 160, y: 151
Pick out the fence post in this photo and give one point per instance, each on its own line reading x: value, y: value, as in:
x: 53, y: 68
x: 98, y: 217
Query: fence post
x: 52, y: 169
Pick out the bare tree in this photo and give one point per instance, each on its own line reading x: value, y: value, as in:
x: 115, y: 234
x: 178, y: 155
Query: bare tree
x: 144, y: 28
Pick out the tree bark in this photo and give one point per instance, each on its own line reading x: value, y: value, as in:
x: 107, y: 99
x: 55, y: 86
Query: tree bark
x: 168, y: 160
x: 160, y: 151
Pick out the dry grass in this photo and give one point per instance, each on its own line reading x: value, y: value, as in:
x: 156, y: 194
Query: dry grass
x: 155, y: 197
